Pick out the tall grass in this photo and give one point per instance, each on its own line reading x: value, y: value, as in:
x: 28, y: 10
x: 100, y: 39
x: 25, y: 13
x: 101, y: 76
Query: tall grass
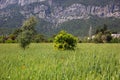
x: 43, y: 62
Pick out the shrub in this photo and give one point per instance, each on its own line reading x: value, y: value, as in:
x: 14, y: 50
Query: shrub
x: 13, y: 37
x: 50, y: 40
x: 97, y: 38
x: 2, y: 39
x: 115, y: 40
x: 65, y: 41
x: 39, y: 38
x: 10, y: 41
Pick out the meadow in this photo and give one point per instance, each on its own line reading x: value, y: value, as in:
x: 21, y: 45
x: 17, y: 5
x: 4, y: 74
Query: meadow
x: 42, y: 62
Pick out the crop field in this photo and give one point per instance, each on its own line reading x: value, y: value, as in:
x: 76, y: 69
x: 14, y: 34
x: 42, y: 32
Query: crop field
x: 42, y: 62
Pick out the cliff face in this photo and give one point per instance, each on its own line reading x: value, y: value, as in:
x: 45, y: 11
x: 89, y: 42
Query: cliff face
x: 25, y: 2
x: 79, y: 11
x: 57, y: 13
x: 5, y: 3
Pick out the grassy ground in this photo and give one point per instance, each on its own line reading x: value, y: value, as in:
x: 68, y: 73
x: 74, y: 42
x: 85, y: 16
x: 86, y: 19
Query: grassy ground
x: 42, y: 62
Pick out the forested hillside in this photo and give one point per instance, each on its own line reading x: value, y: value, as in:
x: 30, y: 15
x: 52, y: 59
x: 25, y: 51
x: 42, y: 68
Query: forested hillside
x: 75, y: 16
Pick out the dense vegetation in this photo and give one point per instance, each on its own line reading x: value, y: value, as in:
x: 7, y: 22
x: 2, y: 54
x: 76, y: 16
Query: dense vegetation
x: 65, y: 41
x: 77, y: 61
x: 42, y: 62
x: 27, y: 32
x: 100, y: 35
x: 8, y: 24
x: 76, y: 27
x: 81, y: 27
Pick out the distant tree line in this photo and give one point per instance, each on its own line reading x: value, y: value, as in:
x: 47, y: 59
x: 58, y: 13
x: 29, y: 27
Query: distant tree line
x: 103, y: 35
x: 27, y: 30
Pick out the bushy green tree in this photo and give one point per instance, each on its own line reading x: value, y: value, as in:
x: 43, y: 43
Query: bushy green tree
x: 27, y: 32
x: 65, y: 41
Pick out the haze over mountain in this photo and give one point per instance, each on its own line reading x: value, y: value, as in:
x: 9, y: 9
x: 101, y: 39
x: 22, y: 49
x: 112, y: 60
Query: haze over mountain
x: 75, y: 16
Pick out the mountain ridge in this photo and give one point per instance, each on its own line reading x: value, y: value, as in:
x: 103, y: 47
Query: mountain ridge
x: 56, y: 12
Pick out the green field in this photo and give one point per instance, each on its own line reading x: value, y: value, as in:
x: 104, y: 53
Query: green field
x: 43, y: 62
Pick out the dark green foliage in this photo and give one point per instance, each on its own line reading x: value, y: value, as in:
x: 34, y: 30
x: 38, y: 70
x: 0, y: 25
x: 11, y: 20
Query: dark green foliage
x: 81, y: 27
x: 25, y: 38
x: 16, y: 32
x: 108, y: 38
x: 97, y: 38
x: 51, y: 39
x: 28, y: 31
x: 39, y: 38
x: 29, y: 25
x: 12, y: 36
x: 115, y: 40
x: 3, y: 39
x: 15, y: 19
x: 65, y: 41
x: 103, y: 35
x: 76, y: 27
x: 10, y: 41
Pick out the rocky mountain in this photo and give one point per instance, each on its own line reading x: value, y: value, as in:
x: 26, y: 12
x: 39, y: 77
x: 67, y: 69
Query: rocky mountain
x: 56, y: 12
x: 5, y: 3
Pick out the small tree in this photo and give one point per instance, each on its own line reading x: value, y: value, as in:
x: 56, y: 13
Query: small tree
x: 27, y: 32
x: 65, y: 41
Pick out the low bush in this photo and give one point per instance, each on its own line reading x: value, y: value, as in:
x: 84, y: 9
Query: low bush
x: 65, y: 41
x: 10, y: 41
x: 115, y: 40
